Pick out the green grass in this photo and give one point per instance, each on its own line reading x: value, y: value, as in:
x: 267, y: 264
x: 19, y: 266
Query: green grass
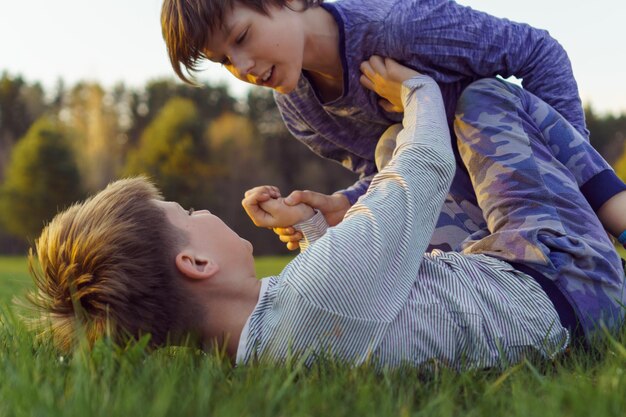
x: 35, y: 380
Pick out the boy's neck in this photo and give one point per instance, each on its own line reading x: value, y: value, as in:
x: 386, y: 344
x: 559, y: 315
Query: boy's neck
x: 226, y: 314
x: 322, y: 59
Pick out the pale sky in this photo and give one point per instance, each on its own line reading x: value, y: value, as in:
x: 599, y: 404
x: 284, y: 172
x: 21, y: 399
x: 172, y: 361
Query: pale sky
x: 120, y: 40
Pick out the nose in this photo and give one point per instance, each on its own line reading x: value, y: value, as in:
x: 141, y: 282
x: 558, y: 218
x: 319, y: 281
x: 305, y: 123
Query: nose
x: 243, y: 65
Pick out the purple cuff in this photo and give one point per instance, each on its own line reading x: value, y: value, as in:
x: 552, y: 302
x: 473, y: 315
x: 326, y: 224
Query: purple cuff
x: 357, y: 190
x: 600, y: 188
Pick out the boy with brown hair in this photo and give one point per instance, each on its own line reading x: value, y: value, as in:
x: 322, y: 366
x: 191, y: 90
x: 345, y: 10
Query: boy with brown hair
x: 309, y: 52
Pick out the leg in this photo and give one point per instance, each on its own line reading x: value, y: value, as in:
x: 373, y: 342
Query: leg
x: 531, y: 201
x: 454, y: 224
x: 592, y: 173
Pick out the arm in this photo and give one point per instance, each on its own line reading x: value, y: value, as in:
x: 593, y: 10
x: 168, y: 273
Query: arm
x: 365, y: 267
x: 342, y: 293
x: 449, y: 41
x: 612, y: 216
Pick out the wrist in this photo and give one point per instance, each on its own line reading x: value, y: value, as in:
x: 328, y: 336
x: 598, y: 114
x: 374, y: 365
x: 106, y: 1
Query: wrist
x: 307, y: 213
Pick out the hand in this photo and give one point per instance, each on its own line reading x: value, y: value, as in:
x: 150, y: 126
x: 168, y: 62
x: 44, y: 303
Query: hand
x: 266, y: 208
x: 333, y: 208
x: 384, y: 76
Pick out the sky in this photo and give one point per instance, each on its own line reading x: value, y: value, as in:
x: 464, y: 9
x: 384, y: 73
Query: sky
x: 120, y: 41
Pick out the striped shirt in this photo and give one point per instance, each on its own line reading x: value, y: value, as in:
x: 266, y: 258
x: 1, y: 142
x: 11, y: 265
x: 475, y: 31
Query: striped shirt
x: 364, y: 291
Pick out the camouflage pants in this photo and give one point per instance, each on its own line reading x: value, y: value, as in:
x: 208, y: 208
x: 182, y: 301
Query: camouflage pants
x: 527, y: 164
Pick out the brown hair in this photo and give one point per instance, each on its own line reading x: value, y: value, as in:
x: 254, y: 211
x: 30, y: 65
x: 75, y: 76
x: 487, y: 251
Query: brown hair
x: 188, y: 24
x: 106, y: 267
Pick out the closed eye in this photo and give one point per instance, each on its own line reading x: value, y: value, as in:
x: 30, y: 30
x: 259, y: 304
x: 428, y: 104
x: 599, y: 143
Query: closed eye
x: 190, y: 211
x: 241, y: 37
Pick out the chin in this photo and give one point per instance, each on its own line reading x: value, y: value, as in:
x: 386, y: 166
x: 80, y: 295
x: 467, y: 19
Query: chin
x: 287, y: 86
x: 281, y: 89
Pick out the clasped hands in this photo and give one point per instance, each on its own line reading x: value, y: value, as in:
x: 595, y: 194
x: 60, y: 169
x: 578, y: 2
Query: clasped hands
x: 267, y: 208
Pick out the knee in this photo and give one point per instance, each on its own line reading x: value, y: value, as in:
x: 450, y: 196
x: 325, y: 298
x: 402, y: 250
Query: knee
x: 484, y: 92
x: 386, y: 145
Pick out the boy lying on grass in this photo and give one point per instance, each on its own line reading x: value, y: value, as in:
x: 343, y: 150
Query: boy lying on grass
x: 127, y: 263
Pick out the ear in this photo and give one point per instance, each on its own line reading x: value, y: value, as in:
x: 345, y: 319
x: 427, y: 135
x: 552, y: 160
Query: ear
x: 195, y: 267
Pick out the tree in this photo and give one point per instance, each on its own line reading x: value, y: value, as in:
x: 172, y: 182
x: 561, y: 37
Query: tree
x: 144, y: 105
x: 20, y: 105
x: 172, y: 153
x: 42, y: 178
x: 607, y: 134
x: 91, y: 115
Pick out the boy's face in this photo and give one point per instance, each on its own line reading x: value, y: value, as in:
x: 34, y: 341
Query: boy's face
x: 210, y: 238
x: 266, y: 50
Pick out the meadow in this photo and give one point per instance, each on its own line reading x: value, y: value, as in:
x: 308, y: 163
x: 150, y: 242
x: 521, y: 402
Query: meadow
x: 36, y: 380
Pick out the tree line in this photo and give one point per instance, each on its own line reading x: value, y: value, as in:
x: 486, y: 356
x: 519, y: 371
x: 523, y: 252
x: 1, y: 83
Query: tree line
x: 201, y: 146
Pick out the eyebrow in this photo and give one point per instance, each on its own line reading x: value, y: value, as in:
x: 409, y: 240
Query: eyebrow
x: 226, y: 32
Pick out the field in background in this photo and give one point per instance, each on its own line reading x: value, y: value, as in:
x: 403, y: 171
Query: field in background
x: 35, y: 379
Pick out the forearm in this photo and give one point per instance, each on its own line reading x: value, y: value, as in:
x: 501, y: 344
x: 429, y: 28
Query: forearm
x: 612, y: 214
x: 311, y: 229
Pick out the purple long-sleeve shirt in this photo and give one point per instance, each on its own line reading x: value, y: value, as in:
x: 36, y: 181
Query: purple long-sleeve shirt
x: 453, y: 44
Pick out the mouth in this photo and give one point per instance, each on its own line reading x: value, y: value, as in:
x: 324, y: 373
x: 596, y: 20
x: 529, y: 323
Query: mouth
x: 267, y: 80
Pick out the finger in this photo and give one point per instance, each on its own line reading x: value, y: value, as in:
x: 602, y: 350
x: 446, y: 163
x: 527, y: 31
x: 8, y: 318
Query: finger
x: 293, y: 245
x: 258, y: 190
x: 378, y: 65
x: 367, y: 83
x: 274, y: 191
x: 259, y: 217
x: 256, y: 197
x: 313, y: 199
x: 366, y: 69
x: 284, y: 231
x: 386, y: 105
x: 292, y: 238
x: 390, y: 62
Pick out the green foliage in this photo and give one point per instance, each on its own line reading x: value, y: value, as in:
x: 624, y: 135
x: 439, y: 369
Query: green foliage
x: 607, y: 135
x: 171, y: 152
x: 20, y: 105
x: 41, y: 179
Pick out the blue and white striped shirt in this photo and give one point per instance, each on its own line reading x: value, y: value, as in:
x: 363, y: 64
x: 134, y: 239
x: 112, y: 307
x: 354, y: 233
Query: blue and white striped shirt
x: 364, y: 291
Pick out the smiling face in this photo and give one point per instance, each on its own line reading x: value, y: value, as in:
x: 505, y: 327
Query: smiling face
x: 209, y: 239
x: 266, y: 50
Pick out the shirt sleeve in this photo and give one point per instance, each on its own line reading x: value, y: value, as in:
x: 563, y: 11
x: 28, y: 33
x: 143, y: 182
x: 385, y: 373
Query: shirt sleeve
x: 449, y: 41
x: 312, y: 229
x: 365, y: 267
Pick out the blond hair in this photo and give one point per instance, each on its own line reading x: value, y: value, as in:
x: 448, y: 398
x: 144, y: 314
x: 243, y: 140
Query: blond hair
x: 106, y: 267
